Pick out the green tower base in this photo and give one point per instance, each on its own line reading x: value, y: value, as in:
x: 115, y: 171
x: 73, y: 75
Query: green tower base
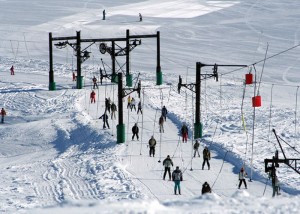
x: 120, y: 133
x: 114, y: 78
x: 79, y: 82
x: 159, y: 79
x: 52, y: 86
x: 198, y: 130
x: 129, y: 80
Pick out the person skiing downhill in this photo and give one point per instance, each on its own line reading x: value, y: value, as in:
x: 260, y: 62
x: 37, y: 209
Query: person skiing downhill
x: 206, y: 157
x: 184, y: 132
x: 135, y: 131
x: 152, y: 144
x: 177, y: 178
x: 167, y: 163
x: 242, y: 177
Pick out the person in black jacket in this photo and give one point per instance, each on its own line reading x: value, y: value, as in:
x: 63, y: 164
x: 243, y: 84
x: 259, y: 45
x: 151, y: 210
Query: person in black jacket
x: 206, y: 188
x: 104, y: 117
x: 135, y: 131
x: 167, y: 163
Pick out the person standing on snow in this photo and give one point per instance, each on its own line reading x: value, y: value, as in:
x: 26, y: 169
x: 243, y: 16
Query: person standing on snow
x: 140, y: 16
x: 104, y: 117
x: 167, y: 163
x: 206, y: 188
x: 95, y: 82
x: 177, y: 178
x: 93, y: 97
x: 139, y: 108
x: 152, y: 144
x: 206, y: 157
x: 12, y: 70
x: 196, y: 148
x: 3, y: 113
x: 161, y: 124
x: 113, y: 108
x: 135, y: 131
x: 132, y: 104
x: 184, y: 132
x: 242, y: 177
x: 107, y: 104
x: 164, y: 112
x: 104, y: 13
x: 73, y: 76
x: 128, y: 101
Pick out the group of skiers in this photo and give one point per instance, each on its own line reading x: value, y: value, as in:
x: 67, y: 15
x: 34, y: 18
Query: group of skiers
x: 131, y: 104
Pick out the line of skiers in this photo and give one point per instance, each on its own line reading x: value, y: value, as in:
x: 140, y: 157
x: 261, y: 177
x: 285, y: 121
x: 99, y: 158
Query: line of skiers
x: 131, y: 104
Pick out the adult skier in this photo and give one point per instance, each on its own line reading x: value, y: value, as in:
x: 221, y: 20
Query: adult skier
x: 12, y: 70
x: 95, y: 82
x: 3, y: 113
x: 132, y: 104
x: 206, y: 188
x: 113, y: 108
x: 242, y: 177
x: 206, y: 157
x: 177, y: 178
x: 139, y: 108
x: 104, y: 117
x: 161, y: 124
x: 167, y: 163
x: 184, y: 132
x: 164, y: 112
x: 152, y: 144
x: 107, y: 104
x: 135, y: 131
x: 93, y: 97
x: 196, y: 148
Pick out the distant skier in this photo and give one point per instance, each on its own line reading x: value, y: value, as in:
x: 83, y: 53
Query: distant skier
x: 140, y: 16
x: 95, y: 85
x: 135, y: 131
x: 161, y: 124
x: 164, y: 112
x: 104, y: 117
x: 128, y: 101
x: 107, y: 104
x: 184, y: 132
x: 12, y: 70
x: 139, y: 108
x: 206, y: 157
x: 196, y: 148
x: 73, y: 76
x: 275, y: 185
x: 179, y: 84
x: 93, y: 97
x: 242, y: 177
x: 113, y: 108
x: 104, y: 13
x: 177, y: 178
x: 3, y: 113
x: 132, y: 104
x: 152, y: 144
x: 167, y: 163
x: 206, y: 188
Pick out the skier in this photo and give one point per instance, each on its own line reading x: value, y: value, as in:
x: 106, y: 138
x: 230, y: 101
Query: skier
x: 135, y: 131
x: 242, y: 176
x: 140, y: 16
x: 196, y: 148
x: 167, y: 163
x: 139, y: 108
x: 107, y: 104
x: 104, y: 13
x: 95, y: 82
x: 206, y: 157
x: 113, y: 108
x: 164, y: 112
x: 161, y: 124
x: 12, y: 70
x: 3, y: 113
x: 93, y: 97
x: 128, y: 101
x: 184, y: 132
x: 206, y: 188
x: 152, y: 144
x: 74, y: 76
x: 132, y: 104
x: 177, y: 177
x: 179, y: 84
x: 275, y: 185
x: 104, y: 117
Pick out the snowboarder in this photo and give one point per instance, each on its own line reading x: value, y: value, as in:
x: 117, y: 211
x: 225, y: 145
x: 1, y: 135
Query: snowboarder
x: 95, y: 82
x: 196, y: 148
x: 161, y: 124
x: 167, y: 163
x: 206, y: 157
x: 206, y: 188
x: 184, y: 132
x: 113, y: 108
x: 177, y: 177
x: 104, y: 117
x: 128, y: 101
x: 73, y: 76
x: 132, y: 104
x: 12, y: 70
x: 135, y: 131
x: 140, y: 16
x: 139, y: 108
x: 93, y: 97
x: 3, y: 113
x: 242, y: 176
x: 152, y: 144
x: 164, y: 112
x: 104, y: 13
x: 107, y: 104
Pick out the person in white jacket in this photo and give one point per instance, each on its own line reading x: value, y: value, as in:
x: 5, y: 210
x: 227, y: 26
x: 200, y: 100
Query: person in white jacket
x: 242, y: 176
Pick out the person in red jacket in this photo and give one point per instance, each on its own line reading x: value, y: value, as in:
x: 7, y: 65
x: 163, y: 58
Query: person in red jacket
x: 3, y: 113
x: 93, y: 97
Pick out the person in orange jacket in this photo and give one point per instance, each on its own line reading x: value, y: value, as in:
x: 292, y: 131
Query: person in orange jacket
x: 93, y: 97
